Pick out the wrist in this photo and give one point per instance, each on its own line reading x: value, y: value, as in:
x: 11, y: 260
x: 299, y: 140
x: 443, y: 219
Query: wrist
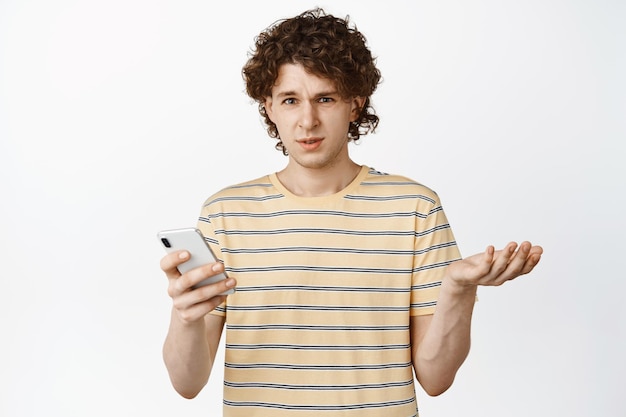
x: 454, y: 287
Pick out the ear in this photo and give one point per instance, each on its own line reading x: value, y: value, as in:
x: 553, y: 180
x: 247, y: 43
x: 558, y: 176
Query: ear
x: 268, y: 108
x: 357, y: 107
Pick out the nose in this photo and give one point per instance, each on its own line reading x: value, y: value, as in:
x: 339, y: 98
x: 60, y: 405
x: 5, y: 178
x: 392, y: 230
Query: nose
x: 308, y: 116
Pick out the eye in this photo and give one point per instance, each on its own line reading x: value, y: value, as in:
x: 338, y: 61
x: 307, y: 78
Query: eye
x: 326, y: 100
x: 289, y: 101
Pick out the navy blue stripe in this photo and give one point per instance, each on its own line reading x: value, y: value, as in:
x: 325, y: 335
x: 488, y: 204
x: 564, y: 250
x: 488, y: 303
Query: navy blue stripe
x: 308, y: 268
x: 434, y: 229
x: 308, y: 249
x: 269, y: 346
x: 321, y: 288
x: 423, y: 305
x: 338, y: 289
x: 392, y: 183
x: 266, y: 307
x: 245, y: 198
x: 435, y: 210
x: 254, y: 185
x: 389, y: 197
x: 252, y: 327
x: 331, y: 231
x: 426, y: 286
x: 250, y: 385
x: 376, y: 172
x: 211, y: 240
x: 300, y: 268
x: 318, y: 367
x: 318, y: 407
x: 321, y: 212
x: 316, y: 230
x: 433, y: 266
x: 408, y: 252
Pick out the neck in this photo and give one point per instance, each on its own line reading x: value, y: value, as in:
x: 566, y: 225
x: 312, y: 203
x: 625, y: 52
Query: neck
x: 318, y: 182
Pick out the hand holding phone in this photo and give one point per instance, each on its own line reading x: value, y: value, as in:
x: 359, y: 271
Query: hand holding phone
x: 191, y: 240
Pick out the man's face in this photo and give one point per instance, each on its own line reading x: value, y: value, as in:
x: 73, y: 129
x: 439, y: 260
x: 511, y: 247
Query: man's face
x: 311, y: 117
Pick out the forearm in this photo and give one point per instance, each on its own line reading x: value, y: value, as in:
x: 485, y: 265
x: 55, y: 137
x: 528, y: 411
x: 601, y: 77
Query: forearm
x: 446, y: 343
x: 188, y: 356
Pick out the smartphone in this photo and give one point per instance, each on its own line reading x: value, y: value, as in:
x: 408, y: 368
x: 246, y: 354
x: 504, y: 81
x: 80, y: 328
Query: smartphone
x: 191, y: 240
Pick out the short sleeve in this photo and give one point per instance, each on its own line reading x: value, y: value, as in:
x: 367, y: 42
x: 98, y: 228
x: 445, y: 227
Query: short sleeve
x: 435, y: 248
x: 206, y: 226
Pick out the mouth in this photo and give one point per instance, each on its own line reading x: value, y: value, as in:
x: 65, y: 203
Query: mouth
x: 309, y: 141
x: 310, y: 144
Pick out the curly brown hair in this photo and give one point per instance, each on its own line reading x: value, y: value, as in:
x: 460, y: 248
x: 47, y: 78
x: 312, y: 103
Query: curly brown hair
x: 325, y: 46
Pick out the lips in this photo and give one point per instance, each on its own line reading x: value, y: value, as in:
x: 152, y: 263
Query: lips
x: 310, y: 144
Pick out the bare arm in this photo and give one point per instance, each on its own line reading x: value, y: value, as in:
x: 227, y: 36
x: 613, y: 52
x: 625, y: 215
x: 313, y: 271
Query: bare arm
x: 194, y: 334
x: 441, y: 342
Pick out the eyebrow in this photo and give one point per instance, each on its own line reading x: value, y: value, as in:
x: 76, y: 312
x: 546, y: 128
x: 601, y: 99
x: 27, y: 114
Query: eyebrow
x: 318, y: 95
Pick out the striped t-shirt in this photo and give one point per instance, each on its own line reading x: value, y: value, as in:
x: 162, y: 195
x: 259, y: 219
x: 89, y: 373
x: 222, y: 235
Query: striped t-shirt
x: 326, y: 286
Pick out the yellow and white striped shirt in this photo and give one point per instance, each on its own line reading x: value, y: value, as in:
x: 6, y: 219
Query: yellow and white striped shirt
x: 326, y: 286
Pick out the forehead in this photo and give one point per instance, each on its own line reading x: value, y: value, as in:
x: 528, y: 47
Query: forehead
x: 294, y: 78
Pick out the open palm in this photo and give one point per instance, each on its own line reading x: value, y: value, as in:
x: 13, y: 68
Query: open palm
x: 496, y: 267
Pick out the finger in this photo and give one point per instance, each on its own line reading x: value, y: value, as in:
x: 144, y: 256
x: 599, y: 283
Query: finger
x: 520, y: 256
x: 533, y: 259
x: 501, y: 262
x: 198, y: 310
x: 536, y: 250
x: 483, y: 267
x: 193, y: 277
x: 523, y: 252
x: 530, y: 264
x: 187, y: 299
x: 518, y: 263
x: 170, y: 261
x: 489, y: 253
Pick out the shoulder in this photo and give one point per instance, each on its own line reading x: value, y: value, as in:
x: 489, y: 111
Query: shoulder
x: 384, y: 184
x: 257, y: 189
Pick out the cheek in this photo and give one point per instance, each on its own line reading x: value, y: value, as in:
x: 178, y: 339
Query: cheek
x: 281, y: 120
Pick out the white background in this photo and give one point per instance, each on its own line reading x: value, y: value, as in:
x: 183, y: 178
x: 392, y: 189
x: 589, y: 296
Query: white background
x: 119, y: 117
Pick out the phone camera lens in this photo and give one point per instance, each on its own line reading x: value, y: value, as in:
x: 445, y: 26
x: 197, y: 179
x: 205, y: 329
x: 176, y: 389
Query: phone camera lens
x: 166, y: 242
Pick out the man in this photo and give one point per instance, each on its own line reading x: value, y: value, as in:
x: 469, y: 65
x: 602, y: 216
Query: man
x: 348, y: 280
